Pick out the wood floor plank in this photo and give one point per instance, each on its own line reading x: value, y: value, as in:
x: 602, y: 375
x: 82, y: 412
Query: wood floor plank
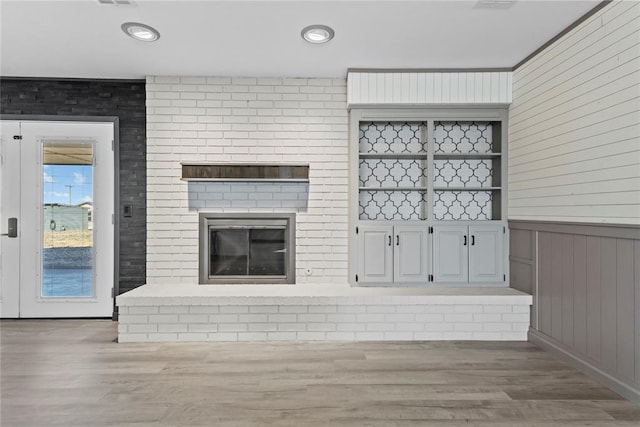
x: 72, y: 373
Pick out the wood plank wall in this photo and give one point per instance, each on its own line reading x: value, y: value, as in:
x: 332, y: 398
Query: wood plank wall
x: 586, y: 286
x: 428, y: 87
x: 574, y: 124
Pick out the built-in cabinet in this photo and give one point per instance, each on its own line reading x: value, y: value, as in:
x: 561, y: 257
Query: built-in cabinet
x: 430, y: 196
x: 375, y: 253
x: 411, y: 252
x: 471, y: 253
x: 390, y: 254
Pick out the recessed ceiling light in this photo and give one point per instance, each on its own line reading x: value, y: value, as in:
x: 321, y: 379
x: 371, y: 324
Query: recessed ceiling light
x: 317, y: 33
x: 494, y: 4
x: 117, y: 2
x: 140, y: 32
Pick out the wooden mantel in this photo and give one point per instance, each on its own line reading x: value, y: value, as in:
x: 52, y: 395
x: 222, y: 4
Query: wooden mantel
x: 244, y: 172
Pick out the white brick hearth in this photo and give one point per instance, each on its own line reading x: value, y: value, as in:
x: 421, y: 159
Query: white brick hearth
x: 320, y: 312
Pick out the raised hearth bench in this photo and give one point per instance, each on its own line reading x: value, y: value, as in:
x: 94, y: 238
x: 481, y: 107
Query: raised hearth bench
x: 163, y: 313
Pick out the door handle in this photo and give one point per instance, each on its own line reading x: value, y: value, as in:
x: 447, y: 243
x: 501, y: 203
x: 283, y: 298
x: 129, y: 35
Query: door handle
x: 397, y: 240
x: 464, y: 243
x: 473, y: 240
x: 12, y: 227
x: 389, y: 239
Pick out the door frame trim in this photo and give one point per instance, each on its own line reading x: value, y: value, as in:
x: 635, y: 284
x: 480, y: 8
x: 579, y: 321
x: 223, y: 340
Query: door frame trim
x: 116, y: 180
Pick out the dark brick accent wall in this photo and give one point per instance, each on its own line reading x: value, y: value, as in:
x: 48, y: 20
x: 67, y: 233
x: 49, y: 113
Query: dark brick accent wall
x: 124, y: 99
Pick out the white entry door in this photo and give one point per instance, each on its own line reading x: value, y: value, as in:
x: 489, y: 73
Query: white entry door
x: 57, y: 189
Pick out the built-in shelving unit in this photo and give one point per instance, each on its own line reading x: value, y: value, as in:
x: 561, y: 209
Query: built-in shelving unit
x: 429, y: 196
x: 463, y: 159
x: 466, y: 170
x: 393, y: 161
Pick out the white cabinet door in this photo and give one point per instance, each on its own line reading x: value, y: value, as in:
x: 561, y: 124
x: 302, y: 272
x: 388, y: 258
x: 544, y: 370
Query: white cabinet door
x: 375, y: 254
x: 486, y: 253
x: 410, y: 254
x: 450, y: 253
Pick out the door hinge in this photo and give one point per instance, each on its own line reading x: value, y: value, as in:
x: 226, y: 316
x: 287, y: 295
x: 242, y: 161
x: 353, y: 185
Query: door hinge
x: 356, y: 277
x: 113, y: 293
x: 504, y: 230
x: 17, y: 137
x: 356, y: 230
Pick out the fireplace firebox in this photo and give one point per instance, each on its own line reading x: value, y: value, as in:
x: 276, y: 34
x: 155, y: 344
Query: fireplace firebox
x: 247, y: 248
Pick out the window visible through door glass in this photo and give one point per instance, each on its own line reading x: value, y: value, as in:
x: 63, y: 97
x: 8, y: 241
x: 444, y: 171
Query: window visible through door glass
x: 67, y: 237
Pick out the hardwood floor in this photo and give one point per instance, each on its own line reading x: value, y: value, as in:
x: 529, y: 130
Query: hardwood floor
x: 72, y: 373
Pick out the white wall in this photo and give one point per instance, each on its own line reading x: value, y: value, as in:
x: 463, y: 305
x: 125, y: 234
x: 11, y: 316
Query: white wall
x: 574, y: 144
x: 246, y: 120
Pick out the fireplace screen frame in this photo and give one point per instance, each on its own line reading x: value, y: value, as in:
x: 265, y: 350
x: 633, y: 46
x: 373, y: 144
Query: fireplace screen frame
x: 246, y: 221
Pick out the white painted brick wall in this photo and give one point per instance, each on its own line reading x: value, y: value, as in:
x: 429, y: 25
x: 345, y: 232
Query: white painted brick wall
x: 248, y: 197
x: 247, y: 120
x: 345, y: 320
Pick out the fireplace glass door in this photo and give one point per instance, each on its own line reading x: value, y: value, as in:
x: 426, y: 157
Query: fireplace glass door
x: 247, y: 252
x: 246, y: 249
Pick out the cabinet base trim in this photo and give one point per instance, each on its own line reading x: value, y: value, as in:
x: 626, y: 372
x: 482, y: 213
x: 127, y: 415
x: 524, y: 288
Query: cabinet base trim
x: 429, y: 285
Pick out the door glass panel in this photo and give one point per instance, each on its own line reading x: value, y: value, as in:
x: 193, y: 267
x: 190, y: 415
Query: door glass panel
x: 67, y: 229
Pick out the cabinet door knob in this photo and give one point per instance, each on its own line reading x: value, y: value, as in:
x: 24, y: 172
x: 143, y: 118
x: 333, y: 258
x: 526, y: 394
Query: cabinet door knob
x: 473, y: 240
x: 397, y: 240
x: 464, y: 243
x: 389, y: 239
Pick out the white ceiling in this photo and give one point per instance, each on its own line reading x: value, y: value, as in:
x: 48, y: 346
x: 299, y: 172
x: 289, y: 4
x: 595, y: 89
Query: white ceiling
x: 83, y: 38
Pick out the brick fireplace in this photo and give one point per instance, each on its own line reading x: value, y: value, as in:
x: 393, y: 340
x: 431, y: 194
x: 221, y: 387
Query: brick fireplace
x: 248, y: 121
x: 247, y: 248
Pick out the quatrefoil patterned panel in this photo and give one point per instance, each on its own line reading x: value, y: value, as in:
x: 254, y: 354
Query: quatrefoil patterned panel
x: 391, y: 137
x: 463, y: 173
x: 463, y: 137
x: 462, y: 205
x: 391, y: 173
x: 392, y: 205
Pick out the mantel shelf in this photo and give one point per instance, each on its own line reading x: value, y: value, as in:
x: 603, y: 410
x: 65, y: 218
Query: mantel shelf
x: 393, y: 188
x: 213, y: 172
x: 243, y: 180
x: 469, y: 156
x: 393, y: 156
x: 466, y: 156
x: 466, y: 188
